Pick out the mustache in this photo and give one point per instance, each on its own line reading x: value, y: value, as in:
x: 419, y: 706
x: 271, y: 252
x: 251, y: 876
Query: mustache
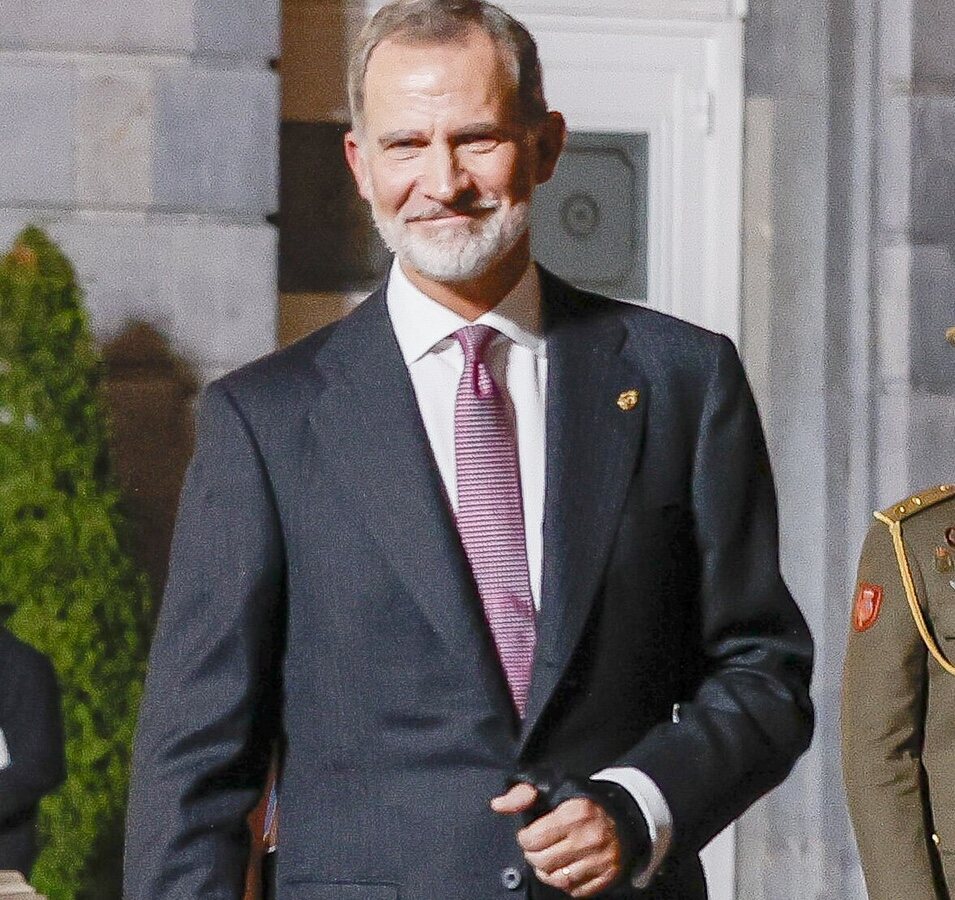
x: 439, y: 211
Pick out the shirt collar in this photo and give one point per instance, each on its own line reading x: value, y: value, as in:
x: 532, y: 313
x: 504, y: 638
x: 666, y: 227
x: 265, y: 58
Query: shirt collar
x: 420, y: 322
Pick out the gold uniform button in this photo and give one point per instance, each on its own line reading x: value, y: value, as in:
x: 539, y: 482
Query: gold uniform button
x: 936, y: 840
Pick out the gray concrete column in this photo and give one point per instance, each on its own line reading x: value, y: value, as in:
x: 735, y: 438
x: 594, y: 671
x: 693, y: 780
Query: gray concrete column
x: 144, y: 137
x: 848, y: 284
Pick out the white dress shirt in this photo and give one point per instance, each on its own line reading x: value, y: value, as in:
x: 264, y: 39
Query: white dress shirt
x: 517, y: 360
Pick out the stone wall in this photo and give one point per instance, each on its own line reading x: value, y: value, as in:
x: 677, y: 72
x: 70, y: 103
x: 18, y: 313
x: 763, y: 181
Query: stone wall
x: 848, y: 286
x: 144, y: 136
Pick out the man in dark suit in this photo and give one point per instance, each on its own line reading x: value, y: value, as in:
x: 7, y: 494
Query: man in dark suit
x: 32, y: 759
x: 496, y: 558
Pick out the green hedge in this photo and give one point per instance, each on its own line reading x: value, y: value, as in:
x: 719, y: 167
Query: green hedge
x: 67, y: 581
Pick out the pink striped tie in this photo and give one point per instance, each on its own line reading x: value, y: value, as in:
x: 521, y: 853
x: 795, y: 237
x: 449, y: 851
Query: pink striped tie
x: 490, y: 513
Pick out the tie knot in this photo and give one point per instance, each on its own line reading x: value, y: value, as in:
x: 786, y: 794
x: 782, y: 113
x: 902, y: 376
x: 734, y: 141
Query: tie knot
x: 474, y: 340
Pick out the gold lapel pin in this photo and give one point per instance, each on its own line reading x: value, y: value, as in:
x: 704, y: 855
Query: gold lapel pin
x: 628, y: 399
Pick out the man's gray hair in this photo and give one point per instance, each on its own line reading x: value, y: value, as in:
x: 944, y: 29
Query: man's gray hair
x: 446, y: 21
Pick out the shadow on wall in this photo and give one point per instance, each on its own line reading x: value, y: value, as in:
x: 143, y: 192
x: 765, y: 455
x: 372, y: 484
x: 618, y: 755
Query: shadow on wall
x: 149, y: 393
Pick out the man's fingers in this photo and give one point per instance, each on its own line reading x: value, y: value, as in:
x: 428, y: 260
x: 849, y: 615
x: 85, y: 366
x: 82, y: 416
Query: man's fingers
x: 554, y: 826
x: 520, y: 797
x: 582, y: 878
x: 592, y: 887
x: 553, y: 858
x: 573, y: 848
x: 586, y: 862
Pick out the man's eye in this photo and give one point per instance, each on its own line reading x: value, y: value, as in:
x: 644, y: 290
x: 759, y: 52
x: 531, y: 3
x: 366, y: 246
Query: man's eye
x: 404, y: 150
x: 482, y: 145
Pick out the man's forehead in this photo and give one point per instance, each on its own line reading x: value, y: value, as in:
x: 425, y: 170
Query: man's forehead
x: 472, y: 60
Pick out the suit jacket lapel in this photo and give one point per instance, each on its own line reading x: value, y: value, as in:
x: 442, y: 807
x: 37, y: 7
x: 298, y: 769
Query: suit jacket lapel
x: 592, y: 450
x: 366, y: 419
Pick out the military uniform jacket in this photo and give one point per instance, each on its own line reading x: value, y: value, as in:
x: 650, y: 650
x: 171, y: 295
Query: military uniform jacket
x: 898, y: 705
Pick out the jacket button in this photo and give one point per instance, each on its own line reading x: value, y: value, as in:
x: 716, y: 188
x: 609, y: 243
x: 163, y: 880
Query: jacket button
x: 511, y: 878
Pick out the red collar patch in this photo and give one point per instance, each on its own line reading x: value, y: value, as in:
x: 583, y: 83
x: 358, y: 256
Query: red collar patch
x: 866, y: 608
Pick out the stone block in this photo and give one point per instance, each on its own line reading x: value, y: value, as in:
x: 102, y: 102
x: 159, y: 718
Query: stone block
x: 799, y: 170
x: 220, y: 286
x: 892, y: 437
x: 933, y: 42
x: 36, y: 136
x: 933, y: 169
x: 932, y: 432
x: 209, y: 288
x: 246, y: 27
x: 243, y: 28
x: 11, y: 224
x: 216, y: 140
x: 787, y: 49
x: 114, y: 116
x: 122, y: 268
x: 165, y: 25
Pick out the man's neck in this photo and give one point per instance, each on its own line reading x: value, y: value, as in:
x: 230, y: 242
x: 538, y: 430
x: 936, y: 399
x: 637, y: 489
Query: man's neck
x: 474, y: 297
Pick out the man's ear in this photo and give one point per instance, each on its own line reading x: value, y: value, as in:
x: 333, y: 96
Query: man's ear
x: 356, y: 162
x: 550, y: 143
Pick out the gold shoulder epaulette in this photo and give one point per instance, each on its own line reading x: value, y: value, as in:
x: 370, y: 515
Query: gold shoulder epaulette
x: 894, y: 516
x: 899, y: 512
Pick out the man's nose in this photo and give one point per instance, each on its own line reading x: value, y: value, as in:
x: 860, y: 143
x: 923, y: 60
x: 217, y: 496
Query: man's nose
x: 443, y: 178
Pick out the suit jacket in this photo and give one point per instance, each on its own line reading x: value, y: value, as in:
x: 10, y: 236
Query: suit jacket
x: 32, y: 727
x: 898, y: 727
x: 318, y: 589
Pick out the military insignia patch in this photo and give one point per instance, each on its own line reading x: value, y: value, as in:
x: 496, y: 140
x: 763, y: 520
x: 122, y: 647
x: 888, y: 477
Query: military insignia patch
x: 943, y: 560
x: 866, y: 608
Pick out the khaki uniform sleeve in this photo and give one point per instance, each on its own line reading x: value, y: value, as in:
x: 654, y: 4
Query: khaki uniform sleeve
x: 883, y: 704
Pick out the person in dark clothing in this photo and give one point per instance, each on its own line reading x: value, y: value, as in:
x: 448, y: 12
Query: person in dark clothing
x: 32, y: 757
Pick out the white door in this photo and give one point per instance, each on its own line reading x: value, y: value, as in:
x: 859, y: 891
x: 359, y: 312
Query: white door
x: 671, y: 90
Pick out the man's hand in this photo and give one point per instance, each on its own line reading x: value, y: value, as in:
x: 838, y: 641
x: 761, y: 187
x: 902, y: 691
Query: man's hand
x: 574, y: 847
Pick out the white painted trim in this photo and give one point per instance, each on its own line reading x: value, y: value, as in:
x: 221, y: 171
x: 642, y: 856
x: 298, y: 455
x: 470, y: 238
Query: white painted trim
x: 694, y: 122
x: 725, y: 78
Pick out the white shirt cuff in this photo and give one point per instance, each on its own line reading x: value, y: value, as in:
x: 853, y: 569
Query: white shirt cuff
x: 655, y: 810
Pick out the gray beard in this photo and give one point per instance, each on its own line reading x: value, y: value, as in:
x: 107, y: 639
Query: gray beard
x: 460, y: 254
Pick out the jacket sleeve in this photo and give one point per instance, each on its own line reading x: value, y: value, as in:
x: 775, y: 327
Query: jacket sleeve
x: 202, y: 744
x: 751, y: 716
x: 31, y: 720
x: 883, y: 706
